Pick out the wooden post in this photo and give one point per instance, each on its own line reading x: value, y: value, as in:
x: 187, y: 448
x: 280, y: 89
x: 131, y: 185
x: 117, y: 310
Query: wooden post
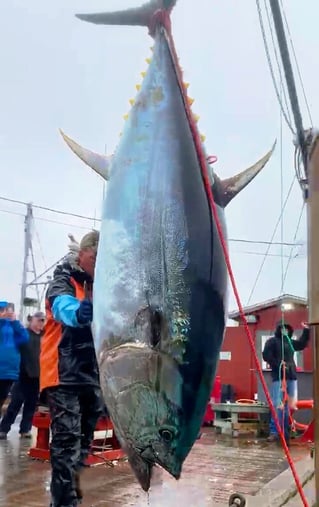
x: 313, y: 286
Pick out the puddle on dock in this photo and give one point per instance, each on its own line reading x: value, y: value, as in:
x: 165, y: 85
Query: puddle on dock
x: 215, y: 468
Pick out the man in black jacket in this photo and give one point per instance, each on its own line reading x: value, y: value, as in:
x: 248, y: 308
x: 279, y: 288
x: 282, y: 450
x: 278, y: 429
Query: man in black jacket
x: 26, y: 390
x: 279, y: 353
x: 69, y: 372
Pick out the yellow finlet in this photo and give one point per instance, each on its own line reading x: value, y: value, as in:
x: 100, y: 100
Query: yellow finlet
x: 203, y: 138
x: 190, y: 101
x: 143, y: 74
x: 186, y: 85
x: 148, y: 60
x: 196, y: 118
x: 125, y: 117
x: 132, y: 102
x: 138, y: 87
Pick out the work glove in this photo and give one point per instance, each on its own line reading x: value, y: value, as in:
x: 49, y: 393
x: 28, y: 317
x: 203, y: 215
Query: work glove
x: 84, y: 313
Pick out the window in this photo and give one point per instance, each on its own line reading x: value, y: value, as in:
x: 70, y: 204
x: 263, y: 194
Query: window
x: 298, y: 356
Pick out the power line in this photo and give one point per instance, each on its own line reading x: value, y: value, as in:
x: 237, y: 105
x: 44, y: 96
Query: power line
x: 61, y: 223
x: 15, y: 201
x: 231, y: 240
x: 272, y: 243
x: 40, y: 247
x: 291, y: 256
x: 66, y: 213
x: 272, y: 237
x: 12, y: 213
x: 52, y: 210
x: 35, y: 280
x: 268, y: 254
x: 47, y: 220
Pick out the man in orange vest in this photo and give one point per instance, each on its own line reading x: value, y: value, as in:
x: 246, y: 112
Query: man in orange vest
x: 69, y: 374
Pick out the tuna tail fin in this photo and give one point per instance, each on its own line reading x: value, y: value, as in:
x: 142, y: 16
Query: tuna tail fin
x: 99, y: 163
x: 230, y: 187
x: 139, y: 16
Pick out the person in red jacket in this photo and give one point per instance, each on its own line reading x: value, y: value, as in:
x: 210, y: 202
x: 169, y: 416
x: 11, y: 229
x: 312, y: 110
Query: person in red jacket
x: 69, y: 373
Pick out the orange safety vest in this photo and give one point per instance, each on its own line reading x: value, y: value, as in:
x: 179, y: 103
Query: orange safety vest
x: 49, y: 354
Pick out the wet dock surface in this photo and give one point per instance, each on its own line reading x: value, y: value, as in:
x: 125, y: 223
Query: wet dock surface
x: 215, y: 468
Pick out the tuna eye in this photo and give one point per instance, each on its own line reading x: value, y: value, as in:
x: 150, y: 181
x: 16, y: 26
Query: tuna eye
x: 166, y: 435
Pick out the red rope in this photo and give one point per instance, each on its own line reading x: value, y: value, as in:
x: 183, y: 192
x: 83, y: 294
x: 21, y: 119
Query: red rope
x: 163, y: 18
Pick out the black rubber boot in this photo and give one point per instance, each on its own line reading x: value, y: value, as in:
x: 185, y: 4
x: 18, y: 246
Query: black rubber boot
x: 78, y: 486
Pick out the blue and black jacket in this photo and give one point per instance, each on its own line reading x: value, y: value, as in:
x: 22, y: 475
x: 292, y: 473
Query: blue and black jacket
x: 67, y: 350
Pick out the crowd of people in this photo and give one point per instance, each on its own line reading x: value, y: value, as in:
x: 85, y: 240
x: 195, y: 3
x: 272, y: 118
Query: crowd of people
x: 19, y: 368
x: 54, y: 355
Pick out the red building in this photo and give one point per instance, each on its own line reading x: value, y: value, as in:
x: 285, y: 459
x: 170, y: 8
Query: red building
x: 237, y: 366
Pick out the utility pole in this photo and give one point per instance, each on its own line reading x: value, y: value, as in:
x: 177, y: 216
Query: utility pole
x: 28, y: 253
x: 313, y: 286
x: 291, y: 86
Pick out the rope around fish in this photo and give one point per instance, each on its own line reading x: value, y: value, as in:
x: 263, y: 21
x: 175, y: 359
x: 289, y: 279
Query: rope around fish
x: 164, y: 18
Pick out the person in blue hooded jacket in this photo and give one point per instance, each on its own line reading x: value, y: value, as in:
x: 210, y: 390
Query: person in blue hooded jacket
x: 12, y: 336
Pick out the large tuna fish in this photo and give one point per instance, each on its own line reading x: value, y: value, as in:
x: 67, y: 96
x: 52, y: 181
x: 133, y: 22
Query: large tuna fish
x: 160, y: 286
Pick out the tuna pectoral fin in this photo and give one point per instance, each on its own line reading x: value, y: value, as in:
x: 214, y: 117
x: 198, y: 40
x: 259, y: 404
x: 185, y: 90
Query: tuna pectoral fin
x: 232, y: 186
x: 139, y: 16
x: 99, y: 163
x: 142, y: 469
x: 149, y: 325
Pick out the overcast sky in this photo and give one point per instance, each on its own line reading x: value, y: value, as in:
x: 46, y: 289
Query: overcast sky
x: 57, y: 71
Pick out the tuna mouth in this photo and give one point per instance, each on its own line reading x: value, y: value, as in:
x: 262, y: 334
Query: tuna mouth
x: 143, y: 462
x: 142, y: 468
x: 151, y: 456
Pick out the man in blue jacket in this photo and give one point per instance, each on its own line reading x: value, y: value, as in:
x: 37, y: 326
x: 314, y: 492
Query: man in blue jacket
x: 12, y: 336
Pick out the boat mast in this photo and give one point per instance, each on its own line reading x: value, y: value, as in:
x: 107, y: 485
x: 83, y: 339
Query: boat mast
x: 308, y: 144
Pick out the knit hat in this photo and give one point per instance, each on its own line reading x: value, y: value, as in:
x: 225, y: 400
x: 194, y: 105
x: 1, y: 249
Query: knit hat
x: 90, y: 240
x: 283, y: 323
x: 39, y: 315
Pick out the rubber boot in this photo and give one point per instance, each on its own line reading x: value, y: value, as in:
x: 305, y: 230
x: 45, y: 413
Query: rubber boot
x: 78, y: 488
